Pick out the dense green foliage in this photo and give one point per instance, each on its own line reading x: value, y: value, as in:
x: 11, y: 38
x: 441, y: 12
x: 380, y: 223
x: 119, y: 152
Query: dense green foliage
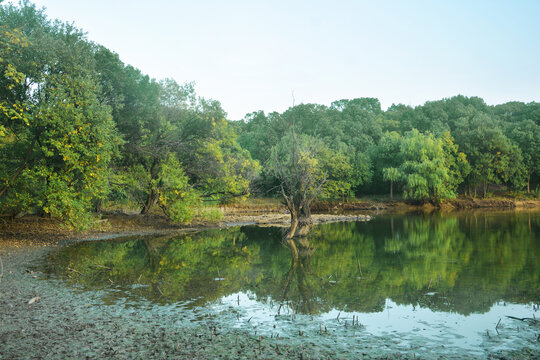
x: 79, y: 129
x: 57, y: 139
x: 431, y: 152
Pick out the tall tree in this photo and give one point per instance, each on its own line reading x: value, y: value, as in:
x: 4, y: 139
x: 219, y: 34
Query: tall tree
x: 428, y: 171
x: 57, y: 137
x: 492, y: 156
x: 296, y: 164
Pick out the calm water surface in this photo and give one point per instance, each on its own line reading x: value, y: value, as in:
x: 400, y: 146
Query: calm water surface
x: 444, y: 278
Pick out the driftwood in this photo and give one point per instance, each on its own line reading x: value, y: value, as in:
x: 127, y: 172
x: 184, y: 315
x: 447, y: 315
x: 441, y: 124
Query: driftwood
x: 525, y: 319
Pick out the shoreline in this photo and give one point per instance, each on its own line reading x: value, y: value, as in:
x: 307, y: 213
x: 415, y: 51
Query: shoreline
x: 42, y: 231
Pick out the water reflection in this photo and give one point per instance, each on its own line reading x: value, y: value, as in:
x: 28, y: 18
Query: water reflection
x: 453, y: 263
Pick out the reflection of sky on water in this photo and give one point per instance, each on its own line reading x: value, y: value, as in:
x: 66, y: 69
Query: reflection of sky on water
x: 408, y: 326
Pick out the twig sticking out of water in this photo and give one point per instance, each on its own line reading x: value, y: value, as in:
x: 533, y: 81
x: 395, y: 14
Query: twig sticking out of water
x: 260, y: 350
x: 523, y: 319
x: 1, y: 269
x: 497, y: 327
x: 338, y: 316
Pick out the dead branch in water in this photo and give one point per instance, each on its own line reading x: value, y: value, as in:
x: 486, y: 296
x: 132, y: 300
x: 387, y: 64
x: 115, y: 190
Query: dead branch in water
x: 1, y: 270
x: 526, y: 319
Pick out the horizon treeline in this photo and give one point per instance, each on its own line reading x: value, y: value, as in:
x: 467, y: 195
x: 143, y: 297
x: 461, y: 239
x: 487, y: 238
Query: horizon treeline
x: 430, y: 152
x: 80, y: 130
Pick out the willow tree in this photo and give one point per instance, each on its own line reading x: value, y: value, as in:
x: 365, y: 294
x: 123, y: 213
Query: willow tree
x: 432, y: 167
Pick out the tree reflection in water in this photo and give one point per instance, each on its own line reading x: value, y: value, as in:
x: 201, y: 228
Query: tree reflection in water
x: 460, y: 263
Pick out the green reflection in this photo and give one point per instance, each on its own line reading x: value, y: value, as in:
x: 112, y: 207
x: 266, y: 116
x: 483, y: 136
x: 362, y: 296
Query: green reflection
x: 455, y: 262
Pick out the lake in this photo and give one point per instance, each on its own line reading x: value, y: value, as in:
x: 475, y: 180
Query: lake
x: 456, y: 283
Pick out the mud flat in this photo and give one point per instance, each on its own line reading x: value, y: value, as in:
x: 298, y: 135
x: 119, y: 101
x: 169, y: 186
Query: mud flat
x: 285, y: 219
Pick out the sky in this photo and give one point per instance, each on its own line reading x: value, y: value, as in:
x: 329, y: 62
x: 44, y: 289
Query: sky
x: 268, y: 55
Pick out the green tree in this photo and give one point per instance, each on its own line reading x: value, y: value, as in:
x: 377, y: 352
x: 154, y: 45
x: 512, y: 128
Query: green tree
x: 428, y: 171
x: 165, y: 120
x: 296, y: 165
x: 391, y: 174
x: 492, y: 156
x: 526, y: 134
x: 58, y: 139
x: 386, y: 154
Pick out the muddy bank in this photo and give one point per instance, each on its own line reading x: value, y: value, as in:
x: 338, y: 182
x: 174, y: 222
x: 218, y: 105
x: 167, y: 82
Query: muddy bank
x: 339, y: 206
x: 410, y: 206
x: 44, y: 230
x: 285, y: 219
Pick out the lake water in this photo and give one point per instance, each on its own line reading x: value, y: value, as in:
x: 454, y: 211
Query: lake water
x: 449, y: 281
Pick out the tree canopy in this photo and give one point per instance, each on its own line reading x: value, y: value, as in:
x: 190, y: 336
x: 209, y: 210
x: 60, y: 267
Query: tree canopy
x: 80, y: 129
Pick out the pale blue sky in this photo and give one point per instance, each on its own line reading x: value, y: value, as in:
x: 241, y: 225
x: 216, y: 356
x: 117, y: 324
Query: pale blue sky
x: 251, y: 55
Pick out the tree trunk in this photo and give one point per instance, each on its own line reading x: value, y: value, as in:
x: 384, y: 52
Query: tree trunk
x: 150, y: 201
x: 152, y: 192
x: 529, y: 185
x: 294, y: 224
x: 98, y: 206
x: 20, y: 169
x: 391, y: 190
x: 484, y: 185
x: 304, y: 221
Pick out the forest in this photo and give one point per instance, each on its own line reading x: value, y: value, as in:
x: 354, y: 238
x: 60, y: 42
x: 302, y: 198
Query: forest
x: 80, y: 130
